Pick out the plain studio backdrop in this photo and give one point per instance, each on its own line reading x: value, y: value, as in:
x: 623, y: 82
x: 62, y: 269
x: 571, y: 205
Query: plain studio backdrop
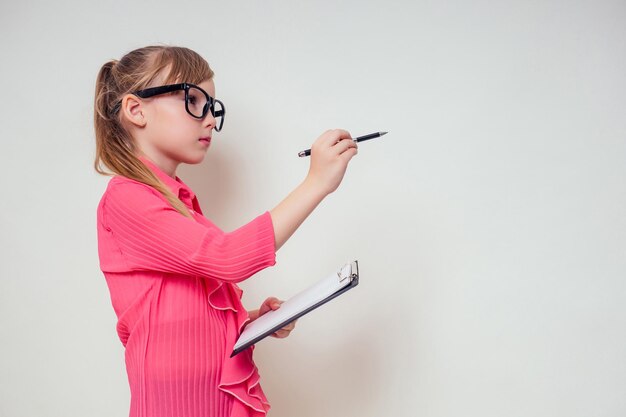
x: 489, y: 223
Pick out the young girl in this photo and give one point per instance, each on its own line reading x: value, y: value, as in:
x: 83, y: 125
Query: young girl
x: 172, y: 273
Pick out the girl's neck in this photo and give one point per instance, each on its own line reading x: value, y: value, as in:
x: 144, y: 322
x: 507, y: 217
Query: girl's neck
x: 168, y: 167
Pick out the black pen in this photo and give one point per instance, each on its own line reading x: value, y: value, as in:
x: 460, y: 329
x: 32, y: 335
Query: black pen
x: 359, y: 139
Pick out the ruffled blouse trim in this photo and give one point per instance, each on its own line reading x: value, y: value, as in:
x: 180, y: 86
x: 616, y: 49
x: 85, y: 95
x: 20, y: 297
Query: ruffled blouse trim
x: 240, y: 377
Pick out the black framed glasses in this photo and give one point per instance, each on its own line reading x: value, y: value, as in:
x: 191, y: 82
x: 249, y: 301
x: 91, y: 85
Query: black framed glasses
x: 197, y: 101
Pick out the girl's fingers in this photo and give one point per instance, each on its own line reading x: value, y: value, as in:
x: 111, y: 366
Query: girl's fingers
x: 339, y: 134
x: 348, y: 154
x: 271, y: 303
x: 285, y: 331
x: 281, y: 334
x: 289, y: 327
x: 344, y: 145
x: 331, y: 137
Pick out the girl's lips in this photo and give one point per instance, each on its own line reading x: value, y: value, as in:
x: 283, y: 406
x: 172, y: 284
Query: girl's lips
x: 205, y: 140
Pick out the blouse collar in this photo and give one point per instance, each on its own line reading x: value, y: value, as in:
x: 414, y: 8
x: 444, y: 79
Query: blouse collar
x: 178, y: 187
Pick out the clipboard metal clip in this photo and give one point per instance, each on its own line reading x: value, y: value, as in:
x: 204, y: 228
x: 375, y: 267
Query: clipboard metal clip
x: 351, y: 273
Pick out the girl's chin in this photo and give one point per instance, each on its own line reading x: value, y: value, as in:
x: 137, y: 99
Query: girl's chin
x: 196, y: 159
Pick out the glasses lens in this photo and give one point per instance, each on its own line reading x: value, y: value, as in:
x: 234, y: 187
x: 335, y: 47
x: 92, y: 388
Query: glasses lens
x: 218, y: 111
x: 196, y: 102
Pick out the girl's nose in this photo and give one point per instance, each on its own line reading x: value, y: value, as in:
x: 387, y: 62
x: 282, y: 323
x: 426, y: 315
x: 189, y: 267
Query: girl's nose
x: 209, y: 121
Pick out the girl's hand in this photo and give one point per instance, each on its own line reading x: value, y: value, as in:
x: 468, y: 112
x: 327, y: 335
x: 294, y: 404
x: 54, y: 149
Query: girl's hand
x: 330, y: 155
x: 273, y: 303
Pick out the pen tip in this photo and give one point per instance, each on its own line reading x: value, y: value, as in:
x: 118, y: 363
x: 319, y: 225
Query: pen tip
x: 383, y: 133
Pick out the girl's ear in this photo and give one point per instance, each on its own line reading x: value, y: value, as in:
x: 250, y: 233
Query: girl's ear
x: 132, y: 110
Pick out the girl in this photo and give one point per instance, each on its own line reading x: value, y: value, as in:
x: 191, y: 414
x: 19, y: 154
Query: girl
x: 172, y: 273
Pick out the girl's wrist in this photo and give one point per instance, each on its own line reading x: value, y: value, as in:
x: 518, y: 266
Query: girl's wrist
x: 314, y: 187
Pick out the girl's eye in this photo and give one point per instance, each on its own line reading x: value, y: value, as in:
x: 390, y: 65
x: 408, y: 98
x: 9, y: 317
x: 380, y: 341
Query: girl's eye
x: 191, y: 100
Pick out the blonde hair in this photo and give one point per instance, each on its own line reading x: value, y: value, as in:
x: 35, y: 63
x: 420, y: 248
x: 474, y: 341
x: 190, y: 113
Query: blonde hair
x: 115, y: 148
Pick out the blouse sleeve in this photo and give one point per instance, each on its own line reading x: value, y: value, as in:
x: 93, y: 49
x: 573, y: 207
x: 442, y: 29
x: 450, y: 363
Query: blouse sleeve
x: 139, y: 230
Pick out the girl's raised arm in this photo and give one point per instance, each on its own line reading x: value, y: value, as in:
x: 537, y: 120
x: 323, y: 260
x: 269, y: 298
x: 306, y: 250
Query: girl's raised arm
x: 330, y: 155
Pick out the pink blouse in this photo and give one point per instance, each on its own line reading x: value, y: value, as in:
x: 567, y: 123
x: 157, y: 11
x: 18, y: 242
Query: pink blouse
x: 172, y: 282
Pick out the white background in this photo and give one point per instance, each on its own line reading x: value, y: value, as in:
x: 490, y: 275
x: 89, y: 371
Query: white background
x: 489, y: 223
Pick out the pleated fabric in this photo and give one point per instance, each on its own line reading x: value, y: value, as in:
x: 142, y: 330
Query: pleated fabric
x: 173, y: 286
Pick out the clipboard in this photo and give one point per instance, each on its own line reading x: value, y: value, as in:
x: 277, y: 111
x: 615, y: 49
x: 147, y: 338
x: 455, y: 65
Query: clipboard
x: 337, y: 283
